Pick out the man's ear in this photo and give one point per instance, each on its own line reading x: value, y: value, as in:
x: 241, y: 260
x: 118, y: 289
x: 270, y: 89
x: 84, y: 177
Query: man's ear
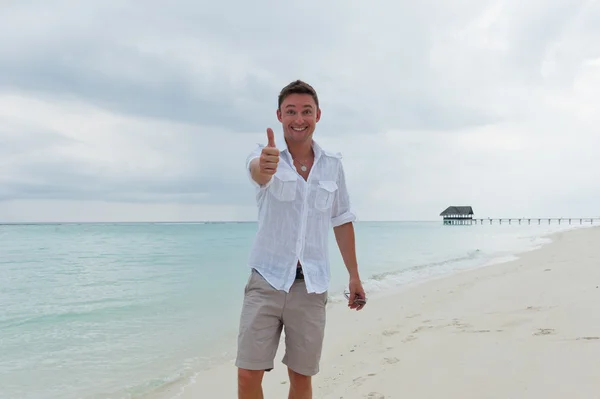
x: 278, y: 114
x: 318, y: 114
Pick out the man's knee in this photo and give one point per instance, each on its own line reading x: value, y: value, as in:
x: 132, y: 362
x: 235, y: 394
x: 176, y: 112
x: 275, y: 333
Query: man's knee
x: 299, y: 381
x: 250, y: 379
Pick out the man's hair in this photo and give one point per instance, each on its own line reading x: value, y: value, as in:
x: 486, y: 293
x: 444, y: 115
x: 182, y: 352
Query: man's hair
x: 298, y: 87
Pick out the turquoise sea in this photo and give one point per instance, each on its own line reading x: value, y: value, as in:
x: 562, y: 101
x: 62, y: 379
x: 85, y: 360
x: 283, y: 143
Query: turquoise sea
x: 120, y: 310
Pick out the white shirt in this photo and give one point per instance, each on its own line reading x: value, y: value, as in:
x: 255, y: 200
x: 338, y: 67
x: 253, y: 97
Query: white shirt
x: 294, y: 218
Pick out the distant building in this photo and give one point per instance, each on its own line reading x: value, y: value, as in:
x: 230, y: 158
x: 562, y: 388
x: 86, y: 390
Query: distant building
x: 462, y: 215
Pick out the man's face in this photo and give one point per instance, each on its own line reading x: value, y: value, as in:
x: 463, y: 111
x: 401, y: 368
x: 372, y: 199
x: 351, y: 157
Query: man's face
x: 299, y: 116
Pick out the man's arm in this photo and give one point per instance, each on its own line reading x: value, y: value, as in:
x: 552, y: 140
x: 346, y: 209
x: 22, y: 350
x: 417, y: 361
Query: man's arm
x: 344, y: 236
x: 343, y: 228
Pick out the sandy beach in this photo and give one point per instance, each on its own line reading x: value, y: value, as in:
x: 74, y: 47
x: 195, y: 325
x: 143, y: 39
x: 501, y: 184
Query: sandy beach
x: 529, y: 328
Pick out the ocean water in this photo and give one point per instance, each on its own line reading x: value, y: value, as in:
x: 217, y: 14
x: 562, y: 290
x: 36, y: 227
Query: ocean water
x: 121, y: 310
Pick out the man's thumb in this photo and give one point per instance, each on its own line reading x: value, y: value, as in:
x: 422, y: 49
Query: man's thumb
x: 271, y: 138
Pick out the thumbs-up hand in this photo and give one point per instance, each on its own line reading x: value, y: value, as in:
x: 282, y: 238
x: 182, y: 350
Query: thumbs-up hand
x: 269, y: 158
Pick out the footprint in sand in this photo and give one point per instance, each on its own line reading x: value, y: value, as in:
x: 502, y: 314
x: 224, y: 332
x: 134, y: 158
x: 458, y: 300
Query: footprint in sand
x: 422, y: 328
x: 459, y: 324
x: 409, y: 338
x: 534, y: 308
x: 387, y: 333
x: 358, y: 381
x: 544, y: 331
x: 375, y: 395
x: 588, y: 338
x: 391, y: 360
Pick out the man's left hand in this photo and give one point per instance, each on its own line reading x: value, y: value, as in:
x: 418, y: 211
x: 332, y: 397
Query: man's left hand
x: 357, y: 298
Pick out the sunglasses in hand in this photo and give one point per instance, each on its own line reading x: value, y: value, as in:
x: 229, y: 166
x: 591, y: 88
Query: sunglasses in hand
x: 357, y: 300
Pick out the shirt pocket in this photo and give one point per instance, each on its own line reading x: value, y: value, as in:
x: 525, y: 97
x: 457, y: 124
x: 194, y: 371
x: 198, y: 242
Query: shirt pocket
x: 325, y: 195
x: 284, y: 184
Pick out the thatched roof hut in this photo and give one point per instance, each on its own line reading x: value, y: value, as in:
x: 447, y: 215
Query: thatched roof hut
x: 456, y: 211
x: 458, y: 215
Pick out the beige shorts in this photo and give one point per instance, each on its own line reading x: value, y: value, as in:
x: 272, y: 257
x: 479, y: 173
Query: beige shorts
x: 266, y: 312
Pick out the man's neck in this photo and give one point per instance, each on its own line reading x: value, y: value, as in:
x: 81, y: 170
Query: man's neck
x: 302, y: 152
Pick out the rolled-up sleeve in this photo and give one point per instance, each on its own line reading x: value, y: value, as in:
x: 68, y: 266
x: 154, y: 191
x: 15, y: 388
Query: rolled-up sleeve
x: 342, y: 211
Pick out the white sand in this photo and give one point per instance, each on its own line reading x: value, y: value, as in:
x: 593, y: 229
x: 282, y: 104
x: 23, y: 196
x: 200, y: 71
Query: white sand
x: 525, y: 329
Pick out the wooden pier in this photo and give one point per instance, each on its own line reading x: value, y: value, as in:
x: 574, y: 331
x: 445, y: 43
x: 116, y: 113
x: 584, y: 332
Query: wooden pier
x: 463, y: 215
x: 537, y: 220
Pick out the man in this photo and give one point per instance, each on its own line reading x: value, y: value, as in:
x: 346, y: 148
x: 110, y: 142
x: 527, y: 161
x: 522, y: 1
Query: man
x: 301, y: 194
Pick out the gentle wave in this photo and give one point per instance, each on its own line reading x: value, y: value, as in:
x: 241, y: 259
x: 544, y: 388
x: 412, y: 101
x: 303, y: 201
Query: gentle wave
x: 382, y: 276
x: 91, y: 315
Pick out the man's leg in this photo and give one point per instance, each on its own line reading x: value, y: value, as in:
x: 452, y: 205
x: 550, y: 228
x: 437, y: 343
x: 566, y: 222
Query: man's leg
x: 300, y: 385
x: 304, y: 323
x: 250, y: 384
x: 258, y: 338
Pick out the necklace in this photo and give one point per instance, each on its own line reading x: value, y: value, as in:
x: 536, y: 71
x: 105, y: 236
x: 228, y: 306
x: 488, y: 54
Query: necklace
x: 302, y: 166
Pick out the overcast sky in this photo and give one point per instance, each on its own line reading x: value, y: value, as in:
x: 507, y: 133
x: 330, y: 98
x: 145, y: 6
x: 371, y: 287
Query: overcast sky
x: 117, y: 111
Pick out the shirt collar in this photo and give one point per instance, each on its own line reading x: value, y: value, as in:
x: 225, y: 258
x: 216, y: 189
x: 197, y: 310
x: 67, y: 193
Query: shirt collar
x: 282, y: 145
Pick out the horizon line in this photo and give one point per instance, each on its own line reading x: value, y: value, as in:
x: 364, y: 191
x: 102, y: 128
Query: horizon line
x: 189, y: 221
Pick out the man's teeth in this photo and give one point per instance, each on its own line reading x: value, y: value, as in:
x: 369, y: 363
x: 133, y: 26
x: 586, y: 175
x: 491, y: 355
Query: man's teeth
x: 299, y: 129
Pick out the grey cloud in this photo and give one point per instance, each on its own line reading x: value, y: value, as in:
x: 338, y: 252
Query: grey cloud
x: 54, y: 176
x: 110, y: 68
x: 99, y: 66
x: 63, y: 184
x: 64, y: 187
x: 19, y: 140
x: 422, y: 114
x: 535, y: 31
x: 171, y: 94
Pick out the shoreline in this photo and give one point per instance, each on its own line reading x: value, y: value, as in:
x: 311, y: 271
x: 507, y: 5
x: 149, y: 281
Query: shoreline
x: 350, y: 333
x: 497, y: 260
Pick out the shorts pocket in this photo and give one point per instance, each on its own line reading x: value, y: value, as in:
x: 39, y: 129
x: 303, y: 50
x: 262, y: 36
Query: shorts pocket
x: 284, y: 186
x: 326, y: 191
